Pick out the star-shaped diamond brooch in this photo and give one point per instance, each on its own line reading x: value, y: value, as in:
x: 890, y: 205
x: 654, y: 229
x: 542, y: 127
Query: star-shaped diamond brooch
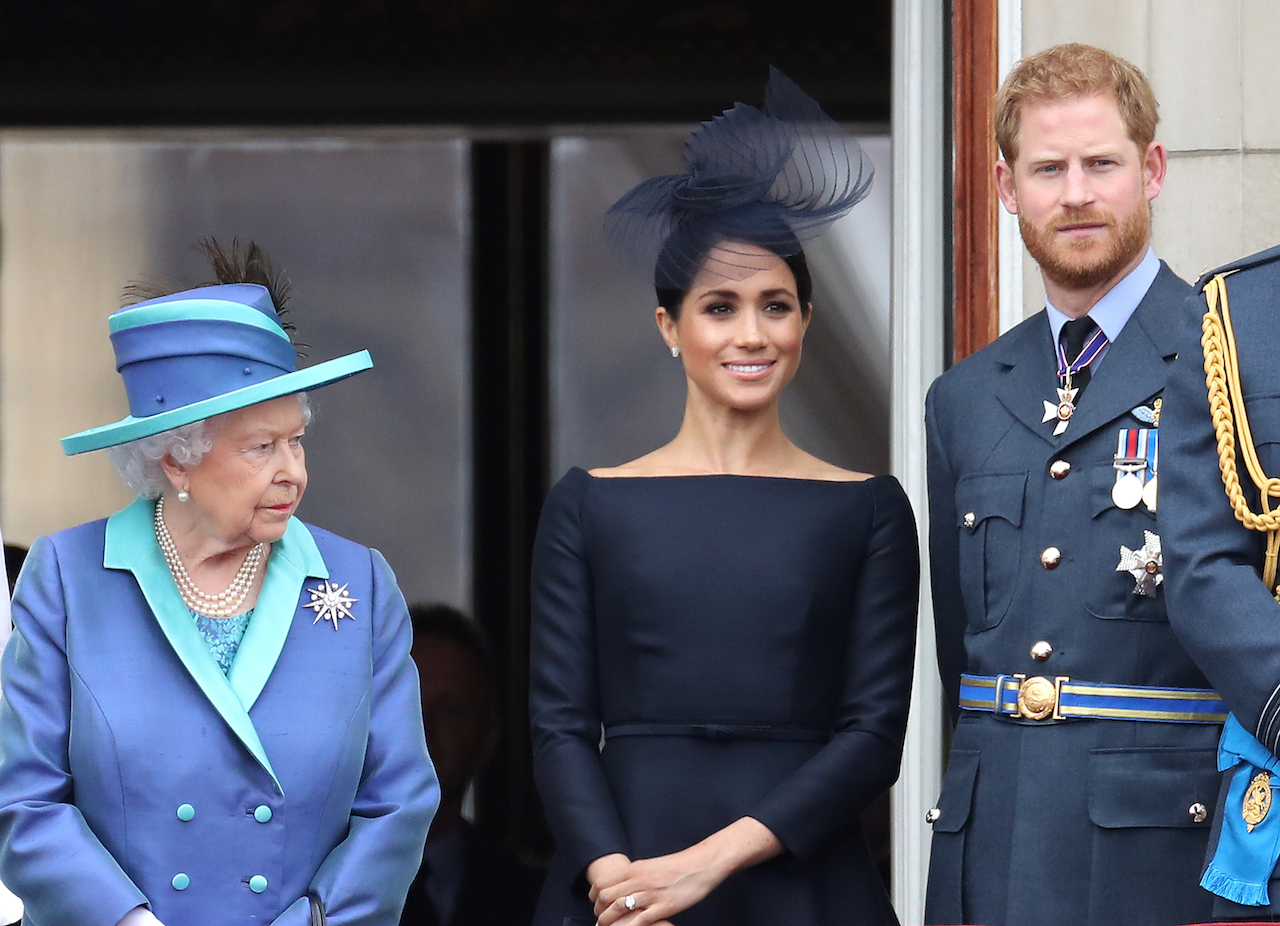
x: 1062, y: 411
x: 330, y: 602
x: 1145, y: 564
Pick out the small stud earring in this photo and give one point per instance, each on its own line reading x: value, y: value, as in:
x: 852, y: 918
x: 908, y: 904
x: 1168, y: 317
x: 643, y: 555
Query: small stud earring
x: 675, y: 351
x: 184, y: 495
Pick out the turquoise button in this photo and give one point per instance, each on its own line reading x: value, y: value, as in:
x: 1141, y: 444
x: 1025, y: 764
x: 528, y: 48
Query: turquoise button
x: 262, y: 814
x: 180, y: 882
x: 186, y: 812
x: 257, y: 884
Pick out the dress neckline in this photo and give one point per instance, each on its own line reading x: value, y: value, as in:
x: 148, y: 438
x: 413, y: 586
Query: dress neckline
x: 870, y: 478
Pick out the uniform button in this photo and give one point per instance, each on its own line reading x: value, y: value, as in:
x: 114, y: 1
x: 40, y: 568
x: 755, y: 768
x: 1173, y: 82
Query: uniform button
x: 186, y: 813
x: 262, y: 813
x: 1050, y: 558
x: 257, y: 884
x: 1058, y: 469
x: 932, y: 815
x: 1041, y: 650
x: 1198, y: 812
x: 970, y: 519
x: 180, y: 881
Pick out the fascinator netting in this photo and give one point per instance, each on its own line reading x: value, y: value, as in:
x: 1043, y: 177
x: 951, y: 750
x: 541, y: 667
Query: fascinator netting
x: 774, y: 178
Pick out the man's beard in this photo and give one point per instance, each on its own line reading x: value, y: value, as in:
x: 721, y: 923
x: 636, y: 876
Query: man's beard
x: 1077, y: 264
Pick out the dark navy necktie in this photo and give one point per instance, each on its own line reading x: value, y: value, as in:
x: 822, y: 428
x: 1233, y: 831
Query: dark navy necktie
x: 1078, y: 336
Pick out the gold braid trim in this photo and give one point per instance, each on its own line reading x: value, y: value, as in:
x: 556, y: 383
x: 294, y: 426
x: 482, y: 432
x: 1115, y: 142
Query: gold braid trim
x: 1226, y: 404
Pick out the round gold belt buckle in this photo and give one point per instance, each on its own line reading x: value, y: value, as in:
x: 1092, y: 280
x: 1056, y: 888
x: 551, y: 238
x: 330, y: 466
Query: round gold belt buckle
x: 1036, y: 698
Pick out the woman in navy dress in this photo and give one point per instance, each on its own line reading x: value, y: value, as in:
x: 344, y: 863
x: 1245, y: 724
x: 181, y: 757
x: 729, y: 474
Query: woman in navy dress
x: 723, y: 629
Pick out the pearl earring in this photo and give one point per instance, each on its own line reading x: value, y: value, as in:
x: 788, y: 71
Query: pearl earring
x: 675, y: 351
x: 184, y: 495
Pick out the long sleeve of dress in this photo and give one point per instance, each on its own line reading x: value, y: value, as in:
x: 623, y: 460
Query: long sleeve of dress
x: 564, y: 696
x: 827, y: 794
x: 52, y: 859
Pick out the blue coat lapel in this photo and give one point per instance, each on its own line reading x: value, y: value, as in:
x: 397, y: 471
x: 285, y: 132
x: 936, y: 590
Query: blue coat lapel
x: 293, y: 558
x: 1133, y: 370
x: 1031, y: 378
x: 131, y: 545
x: 1136, y: 365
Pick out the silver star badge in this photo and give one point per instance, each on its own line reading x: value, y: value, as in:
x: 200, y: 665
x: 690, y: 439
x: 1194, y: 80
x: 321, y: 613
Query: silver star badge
x: 1146, y: 565
x: 330, y: 602
x: 1062, y: 411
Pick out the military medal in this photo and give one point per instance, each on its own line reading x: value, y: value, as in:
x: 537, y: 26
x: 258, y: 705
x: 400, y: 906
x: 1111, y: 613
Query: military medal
x: 330, y: 601
x: 1062, y: 410
x: 1153, y: 463
x: 1257, y: 800
x: 1130, y: 463
x: 1145, y: 564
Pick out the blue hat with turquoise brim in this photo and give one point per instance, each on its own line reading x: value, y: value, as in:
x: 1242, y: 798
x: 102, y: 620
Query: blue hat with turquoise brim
x: 198, y: 353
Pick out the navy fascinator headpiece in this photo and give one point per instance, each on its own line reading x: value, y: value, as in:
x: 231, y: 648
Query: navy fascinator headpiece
x: 774, y: 178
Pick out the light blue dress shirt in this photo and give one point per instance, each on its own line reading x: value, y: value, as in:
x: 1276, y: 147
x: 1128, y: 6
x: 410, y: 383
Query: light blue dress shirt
x: 1113, y: 310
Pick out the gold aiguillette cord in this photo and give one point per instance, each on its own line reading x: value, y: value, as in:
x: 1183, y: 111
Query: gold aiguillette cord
x: 1226, y: 404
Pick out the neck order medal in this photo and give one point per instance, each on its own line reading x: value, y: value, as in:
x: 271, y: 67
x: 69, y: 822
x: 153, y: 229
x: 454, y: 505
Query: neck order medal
x: 1063, y: 410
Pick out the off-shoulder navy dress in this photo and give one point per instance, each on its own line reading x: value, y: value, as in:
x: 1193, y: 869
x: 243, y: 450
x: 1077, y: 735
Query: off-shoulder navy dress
x: 711, y: 647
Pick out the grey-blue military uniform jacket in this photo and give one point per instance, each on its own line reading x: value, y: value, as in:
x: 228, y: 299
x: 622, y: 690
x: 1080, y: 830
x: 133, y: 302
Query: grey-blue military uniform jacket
x: 1071, y: 822
x: 1218, y: 605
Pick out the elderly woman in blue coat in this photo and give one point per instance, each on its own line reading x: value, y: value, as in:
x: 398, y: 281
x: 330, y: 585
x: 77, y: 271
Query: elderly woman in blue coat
x: 209, y: 712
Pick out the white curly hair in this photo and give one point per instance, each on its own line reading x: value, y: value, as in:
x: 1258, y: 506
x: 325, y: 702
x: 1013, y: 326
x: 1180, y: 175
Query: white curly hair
x: 138, y: 461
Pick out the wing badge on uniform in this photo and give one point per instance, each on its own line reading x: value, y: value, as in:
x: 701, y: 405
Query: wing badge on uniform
x: 1145, y: 564
x: 1149, y: 414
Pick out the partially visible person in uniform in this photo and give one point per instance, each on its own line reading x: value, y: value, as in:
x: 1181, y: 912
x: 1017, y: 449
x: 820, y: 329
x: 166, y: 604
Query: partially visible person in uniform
x: 1221, y: 535
x: 464, y: 880
x: 210, y: 715
x: 1082, y: 772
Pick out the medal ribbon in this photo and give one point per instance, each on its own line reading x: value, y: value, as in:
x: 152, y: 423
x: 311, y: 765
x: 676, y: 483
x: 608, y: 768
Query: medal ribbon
x: 1136, y: 444
x: 1153, y: 451
x: 1092, y: 348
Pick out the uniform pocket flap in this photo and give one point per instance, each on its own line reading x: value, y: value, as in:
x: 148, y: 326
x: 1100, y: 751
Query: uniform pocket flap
x: 1103, y: 479
x: 1263, y: 410
x: 957, y: 791
x: 990, y: 495
x: 1154, y: 786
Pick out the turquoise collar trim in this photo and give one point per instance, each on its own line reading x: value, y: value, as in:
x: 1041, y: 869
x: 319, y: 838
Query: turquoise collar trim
x: 131, y: 545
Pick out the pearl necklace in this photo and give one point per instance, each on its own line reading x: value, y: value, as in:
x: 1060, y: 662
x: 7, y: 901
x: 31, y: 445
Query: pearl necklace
x: 226, y: 604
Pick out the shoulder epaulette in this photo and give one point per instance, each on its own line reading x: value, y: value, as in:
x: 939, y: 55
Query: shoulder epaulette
x: 1243, y: 263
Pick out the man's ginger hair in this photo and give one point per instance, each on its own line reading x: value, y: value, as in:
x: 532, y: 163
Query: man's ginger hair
x: 1065, y: 72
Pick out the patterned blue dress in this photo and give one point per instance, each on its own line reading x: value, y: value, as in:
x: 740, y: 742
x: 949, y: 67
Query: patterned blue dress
x: 223, y: 636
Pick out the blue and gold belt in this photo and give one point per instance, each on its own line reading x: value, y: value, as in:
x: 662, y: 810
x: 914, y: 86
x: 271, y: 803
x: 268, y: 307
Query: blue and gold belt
x: 1048, y: 699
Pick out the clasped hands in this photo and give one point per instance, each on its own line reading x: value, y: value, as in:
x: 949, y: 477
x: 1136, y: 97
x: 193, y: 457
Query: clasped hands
x: 661, y: 887
x: 666, y: 885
